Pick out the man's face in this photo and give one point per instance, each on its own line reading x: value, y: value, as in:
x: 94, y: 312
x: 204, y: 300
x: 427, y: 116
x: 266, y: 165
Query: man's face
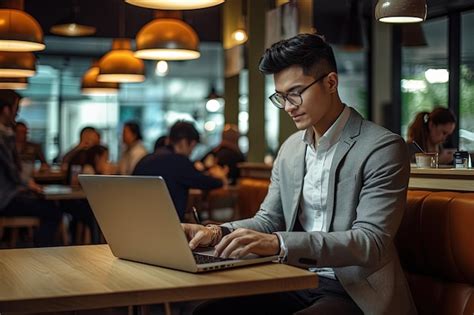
x: 185, y: 147
x: 90, y: 138
x: 12, y: 112
x: 316, y: 101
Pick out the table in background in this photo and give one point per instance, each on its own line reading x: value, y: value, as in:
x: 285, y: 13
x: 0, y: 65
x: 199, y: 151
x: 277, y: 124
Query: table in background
x: 63, y: 192
x: 452, y: 179
x: 49, y: 177
x: 88, y: 277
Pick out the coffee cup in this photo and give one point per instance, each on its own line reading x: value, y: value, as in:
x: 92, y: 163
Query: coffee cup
x: 426, y: 160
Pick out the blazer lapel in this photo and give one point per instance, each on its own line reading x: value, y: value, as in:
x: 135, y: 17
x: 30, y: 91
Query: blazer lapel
x: 348, y: 138
x: 299, y: 170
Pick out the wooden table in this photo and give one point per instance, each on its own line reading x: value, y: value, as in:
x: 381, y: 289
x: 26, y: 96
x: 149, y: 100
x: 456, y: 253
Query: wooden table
x: 88, y: 277
x: 49, y: 177
x: 452, y: 179
x: 63, y: 192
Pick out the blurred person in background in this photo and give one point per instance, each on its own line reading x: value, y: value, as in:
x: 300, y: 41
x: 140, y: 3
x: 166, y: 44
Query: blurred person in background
x: 429, y: 131
x: 134, y: 150
x: 17, y: 197
x: 173, y: 164
x: 160, y: 143
x: 89, y: 137
x: 227, y: 154
x: 29, y: 152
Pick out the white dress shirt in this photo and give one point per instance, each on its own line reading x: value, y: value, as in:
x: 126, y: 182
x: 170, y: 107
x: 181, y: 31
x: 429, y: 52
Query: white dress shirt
x: 318, y: 160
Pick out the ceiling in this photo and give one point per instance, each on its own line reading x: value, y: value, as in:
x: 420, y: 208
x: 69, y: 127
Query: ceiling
x: 104, y: 15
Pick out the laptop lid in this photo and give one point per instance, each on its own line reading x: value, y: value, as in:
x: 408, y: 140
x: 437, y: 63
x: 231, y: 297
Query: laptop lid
x: 140, y: 223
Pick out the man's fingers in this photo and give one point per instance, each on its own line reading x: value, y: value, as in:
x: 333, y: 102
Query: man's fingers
x: 236, y: 243
x: 198, y: 239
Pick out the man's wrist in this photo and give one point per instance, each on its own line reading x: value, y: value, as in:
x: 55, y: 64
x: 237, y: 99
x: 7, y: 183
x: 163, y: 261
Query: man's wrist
x: 282, y: 256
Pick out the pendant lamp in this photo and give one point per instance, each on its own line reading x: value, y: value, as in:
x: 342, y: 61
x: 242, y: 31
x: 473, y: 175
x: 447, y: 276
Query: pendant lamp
x: 401, y: 11
x: 19, y: 31
x: 13, y: 83
x: 120, y: 65
x: 17, y: 64
x: 167, y: 37
x: 70, y: 25
x: 175, y: 4
x: 90, y: 85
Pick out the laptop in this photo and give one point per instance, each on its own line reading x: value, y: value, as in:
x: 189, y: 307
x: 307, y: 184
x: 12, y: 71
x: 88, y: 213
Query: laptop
x: 140, y: 223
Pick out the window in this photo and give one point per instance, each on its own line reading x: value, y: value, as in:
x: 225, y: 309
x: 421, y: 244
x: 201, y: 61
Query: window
x: 425, y: 77
x: 54, y: 105
x: 466, y: 108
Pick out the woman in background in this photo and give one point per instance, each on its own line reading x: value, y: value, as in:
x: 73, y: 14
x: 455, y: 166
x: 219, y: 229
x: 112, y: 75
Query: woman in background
x: 430, y: 130
x: 134, y: 150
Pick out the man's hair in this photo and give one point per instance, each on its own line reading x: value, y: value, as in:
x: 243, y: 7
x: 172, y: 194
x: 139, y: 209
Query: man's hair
x: 309, y: 51
x: 87, y: 129
x: 8, y: 98
x: 134, y: 128
x: 183, y: 130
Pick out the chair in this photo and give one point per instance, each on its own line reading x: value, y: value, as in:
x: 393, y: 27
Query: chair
x: 14, y: 223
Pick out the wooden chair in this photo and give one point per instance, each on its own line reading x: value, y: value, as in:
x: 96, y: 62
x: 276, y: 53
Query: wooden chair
x: 15, y: 223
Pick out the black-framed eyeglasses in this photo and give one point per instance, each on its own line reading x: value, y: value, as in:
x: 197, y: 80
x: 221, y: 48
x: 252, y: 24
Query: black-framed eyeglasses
x: 294, y: 98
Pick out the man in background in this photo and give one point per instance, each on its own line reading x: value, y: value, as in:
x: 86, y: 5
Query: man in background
x: 17, y: 197
x: 89, y: 137
x: 173, y: 164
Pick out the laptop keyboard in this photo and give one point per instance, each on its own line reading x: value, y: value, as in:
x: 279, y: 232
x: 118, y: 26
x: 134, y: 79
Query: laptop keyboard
x: 205, y: 259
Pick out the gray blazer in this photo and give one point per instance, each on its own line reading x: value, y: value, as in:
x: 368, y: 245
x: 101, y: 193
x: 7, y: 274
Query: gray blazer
x: 365, y: 205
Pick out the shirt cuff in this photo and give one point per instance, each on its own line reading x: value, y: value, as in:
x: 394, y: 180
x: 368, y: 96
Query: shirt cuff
x: 283, y: 255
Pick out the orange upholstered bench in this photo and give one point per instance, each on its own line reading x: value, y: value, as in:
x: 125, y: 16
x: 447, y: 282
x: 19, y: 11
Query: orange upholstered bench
x: 436, y: 246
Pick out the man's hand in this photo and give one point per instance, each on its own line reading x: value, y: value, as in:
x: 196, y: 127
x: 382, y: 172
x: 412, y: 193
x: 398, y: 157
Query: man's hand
x: 33, y: 186
x: 197, y: 235
x: 242, y: 242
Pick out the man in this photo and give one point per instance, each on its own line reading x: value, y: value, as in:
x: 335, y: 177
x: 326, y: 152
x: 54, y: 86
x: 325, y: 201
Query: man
x: 19, y: 198
x: 89, y: 137
x: 173, y: 164
x: 335, y: 201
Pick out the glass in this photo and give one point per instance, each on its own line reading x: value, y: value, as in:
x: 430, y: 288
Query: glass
x: 294, y: 98
x: 466, y: 108
x: 425, y: 77
x: 426, y: 160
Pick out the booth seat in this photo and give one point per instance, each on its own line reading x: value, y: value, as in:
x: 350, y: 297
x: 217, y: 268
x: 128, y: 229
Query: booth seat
x: 436, y: 247
x: 435, y: 242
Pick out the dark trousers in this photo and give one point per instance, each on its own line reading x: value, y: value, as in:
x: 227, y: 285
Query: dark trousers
x: 27, y: 204
x: 329, y: 298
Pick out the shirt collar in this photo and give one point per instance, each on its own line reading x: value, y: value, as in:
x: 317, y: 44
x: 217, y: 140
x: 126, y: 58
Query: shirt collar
x: 332, y: 135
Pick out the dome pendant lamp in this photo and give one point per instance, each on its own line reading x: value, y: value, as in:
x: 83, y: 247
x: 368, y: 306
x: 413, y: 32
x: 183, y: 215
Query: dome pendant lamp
x: 175, y: 4
x: 90, y: 85
x: 167, y: 37
x: 401, y: 11
x: 17, y: 64
x: 19, y: 31
x: 120, y: 65
x: 70, y: 25
x: 13, y: 83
